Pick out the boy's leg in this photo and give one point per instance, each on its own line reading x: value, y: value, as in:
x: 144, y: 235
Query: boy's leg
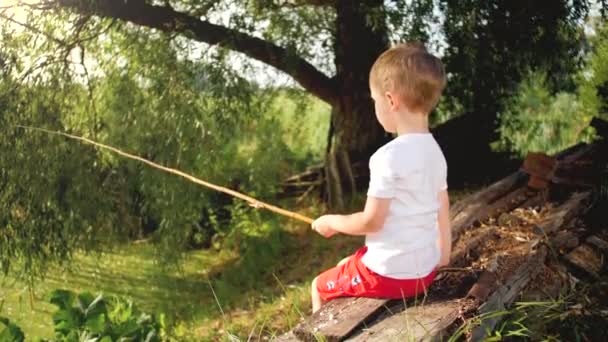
x: 317, y: 301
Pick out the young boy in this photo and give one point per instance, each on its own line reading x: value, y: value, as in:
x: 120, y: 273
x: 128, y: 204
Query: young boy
x: 405, y: 220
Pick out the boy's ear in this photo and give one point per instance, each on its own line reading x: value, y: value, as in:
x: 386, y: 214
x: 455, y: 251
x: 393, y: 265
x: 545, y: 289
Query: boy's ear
x: 392, y: 100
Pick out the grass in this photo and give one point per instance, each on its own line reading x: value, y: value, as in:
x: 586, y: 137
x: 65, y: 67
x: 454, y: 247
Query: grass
x: 272, y: 302
x: 212, y: 296
x: 129, y: 272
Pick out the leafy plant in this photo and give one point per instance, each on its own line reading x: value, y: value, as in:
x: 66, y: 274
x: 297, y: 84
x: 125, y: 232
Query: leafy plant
x: 86, y: 317
x: 9, y: 332
x: 536, y: 120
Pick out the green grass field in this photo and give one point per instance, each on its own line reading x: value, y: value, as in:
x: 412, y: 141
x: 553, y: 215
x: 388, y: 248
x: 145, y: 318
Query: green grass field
x: 131, y: 272
x: 277, y: 301
x: 262, y: 292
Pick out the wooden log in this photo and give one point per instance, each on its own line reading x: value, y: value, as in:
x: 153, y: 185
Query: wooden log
x: 486, y: 284
x: 540, y: 167
x: 286, y: 337
x: 506, y: 293
x: 562, y: 214
x: 598, y: 243
x: 483, y: 211
x: 471, y: 203
x: 463, y: 248
x: 422, y: 322
x: 338, y: 318
x: 564, y: 239
x: 586, y: 258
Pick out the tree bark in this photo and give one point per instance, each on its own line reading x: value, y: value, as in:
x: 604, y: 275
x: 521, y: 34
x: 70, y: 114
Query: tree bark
x: 356, y: 133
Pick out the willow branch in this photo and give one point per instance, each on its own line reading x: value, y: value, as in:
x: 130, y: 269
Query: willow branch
x: 166, y: 19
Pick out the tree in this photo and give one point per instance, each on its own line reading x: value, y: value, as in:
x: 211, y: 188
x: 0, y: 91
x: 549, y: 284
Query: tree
x: 491, y: 47
x: 299, y: 37
x: 293, y: 32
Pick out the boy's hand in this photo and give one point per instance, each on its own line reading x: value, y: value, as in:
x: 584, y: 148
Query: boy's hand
x: 323, y: 226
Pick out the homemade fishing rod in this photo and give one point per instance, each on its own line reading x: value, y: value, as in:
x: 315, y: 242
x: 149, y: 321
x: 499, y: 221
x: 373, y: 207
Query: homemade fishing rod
x: 252, y: 201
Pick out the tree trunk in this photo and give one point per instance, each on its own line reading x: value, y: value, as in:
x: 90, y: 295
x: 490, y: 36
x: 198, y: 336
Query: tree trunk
x: 360, y: 39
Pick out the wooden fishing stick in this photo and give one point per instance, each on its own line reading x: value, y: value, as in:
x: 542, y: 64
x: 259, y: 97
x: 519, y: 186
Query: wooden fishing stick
x: 252, y: 201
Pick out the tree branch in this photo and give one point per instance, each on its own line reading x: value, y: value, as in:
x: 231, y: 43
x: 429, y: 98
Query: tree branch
x: 168, y: 20
x: 297, y: 3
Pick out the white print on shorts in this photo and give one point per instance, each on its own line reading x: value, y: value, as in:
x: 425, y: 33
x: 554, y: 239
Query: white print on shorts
x: 355, y: 281
x: 330, y: 285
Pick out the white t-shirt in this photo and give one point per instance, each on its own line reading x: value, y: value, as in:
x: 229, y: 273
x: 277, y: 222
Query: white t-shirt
x: 411, y: 170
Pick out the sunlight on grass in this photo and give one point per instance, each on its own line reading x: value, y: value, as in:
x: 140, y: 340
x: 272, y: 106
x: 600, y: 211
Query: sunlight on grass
x: 130, y: 273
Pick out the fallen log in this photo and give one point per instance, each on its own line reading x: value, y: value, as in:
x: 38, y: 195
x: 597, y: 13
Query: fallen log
x: 587, y: 259
x: 338, y: 318
x: 508, y: 292
x: 470, y: 209
x: 562, y: 214
x: 423, y: 322
x: 598, y: 243
x: 564, y: 239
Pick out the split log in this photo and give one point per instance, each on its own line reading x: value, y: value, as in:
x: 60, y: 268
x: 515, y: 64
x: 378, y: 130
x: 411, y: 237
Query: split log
x: 286, y: 337
x: 562, y: 214
x: 338, y: 318
x: 465, y: 246
x: 598, y: 243
x: 541, y: 168
x: 508, y: 292
x: 485, y: 210
x: 586, y: 258
x: 564, y: 239
x: 468, y: 206
x: 422, y: 322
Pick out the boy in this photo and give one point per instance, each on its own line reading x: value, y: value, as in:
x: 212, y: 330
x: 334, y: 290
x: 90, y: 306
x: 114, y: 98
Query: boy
x: 406, y: 216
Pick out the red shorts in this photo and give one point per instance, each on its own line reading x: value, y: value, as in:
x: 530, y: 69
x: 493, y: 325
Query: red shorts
x: 353, y: 279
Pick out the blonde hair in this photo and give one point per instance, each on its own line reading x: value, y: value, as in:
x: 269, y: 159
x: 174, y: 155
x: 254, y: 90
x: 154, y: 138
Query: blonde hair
x: 411, y: 72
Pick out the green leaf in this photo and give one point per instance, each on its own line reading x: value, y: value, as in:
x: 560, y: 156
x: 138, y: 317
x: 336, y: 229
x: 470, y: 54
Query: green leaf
x: 96, y: 324
x: 62, y: 298
x: 9, y: 332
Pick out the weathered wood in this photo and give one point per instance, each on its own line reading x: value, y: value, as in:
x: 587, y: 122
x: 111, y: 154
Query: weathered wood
x: 585, y: 258
x: 286, y: 337
x: 472, y: 203
x: 540, y: 167
x: 483, y: 211
x: 338, y: 318
x: 420, y: 322
x: 462, y: 248
x: 560, y: 215
x: 564, y: 239
x: 506, y: 293
x: 598, y: 243
x: 486, y: 284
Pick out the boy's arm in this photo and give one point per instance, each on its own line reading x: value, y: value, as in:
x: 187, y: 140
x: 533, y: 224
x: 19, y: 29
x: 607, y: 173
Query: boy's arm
x: 445, y: 229
x: 369, y: 220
